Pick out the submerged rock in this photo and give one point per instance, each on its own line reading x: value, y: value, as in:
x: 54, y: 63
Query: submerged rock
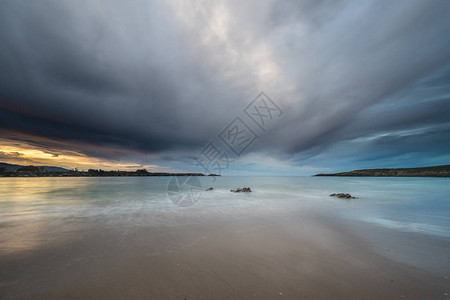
x: 209, y: 189
x: 245, y: 190
x: 343, y: 195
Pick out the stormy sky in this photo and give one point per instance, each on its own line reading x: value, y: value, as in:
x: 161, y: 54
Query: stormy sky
x: 127, y: 84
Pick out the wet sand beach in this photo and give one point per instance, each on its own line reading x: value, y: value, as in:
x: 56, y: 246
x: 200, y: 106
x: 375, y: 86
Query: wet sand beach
x: 251, y: 255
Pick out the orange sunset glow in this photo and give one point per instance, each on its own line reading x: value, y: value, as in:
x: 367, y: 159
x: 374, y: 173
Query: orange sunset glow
x: 24, y: 154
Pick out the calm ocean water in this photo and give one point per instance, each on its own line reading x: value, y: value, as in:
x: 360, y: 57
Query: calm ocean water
x: 403, y: 217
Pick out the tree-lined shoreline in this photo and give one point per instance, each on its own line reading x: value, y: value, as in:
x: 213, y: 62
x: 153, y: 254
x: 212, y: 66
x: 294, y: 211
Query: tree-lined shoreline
x: 435, y: 171
x: 35, y: 171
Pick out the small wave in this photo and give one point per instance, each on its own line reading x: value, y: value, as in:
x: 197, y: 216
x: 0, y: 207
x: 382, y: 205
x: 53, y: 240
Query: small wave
x: 414, y: 227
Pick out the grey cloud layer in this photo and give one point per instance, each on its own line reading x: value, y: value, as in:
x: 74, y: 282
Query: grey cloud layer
x: 155, y: 76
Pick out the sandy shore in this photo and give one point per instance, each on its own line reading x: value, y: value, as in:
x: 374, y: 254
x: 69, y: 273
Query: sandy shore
x: 283, y: 256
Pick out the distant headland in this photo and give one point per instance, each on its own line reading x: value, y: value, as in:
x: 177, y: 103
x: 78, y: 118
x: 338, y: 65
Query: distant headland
x: 436, y: 171
x: 10, y: 170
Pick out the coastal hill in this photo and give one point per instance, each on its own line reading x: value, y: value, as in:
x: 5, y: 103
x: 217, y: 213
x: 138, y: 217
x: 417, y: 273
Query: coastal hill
x: 5, y: 166
x: 9, y: 170
x: 436, y: 171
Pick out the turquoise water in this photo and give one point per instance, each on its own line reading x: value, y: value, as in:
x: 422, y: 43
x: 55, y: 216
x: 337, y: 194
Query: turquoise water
x: 411, y: 211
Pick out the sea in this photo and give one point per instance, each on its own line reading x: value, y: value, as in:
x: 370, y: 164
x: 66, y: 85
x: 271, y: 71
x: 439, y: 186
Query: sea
x: 404, y: 219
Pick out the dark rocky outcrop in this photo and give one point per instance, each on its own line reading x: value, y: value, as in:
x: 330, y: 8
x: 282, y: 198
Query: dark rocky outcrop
x: 245, y: 190
x: 343, y: 195
x: 209, y: 189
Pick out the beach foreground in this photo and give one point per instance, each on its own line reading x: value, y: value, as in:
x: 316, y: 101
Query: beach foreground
x: 86, y: 239
x: 289, y: 256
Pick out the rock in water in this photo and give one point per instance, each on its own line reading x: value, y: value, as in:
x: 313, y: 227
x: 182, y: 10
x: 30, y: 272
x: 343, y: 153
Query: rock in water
x: 245, y: 190
x: 343, y: 195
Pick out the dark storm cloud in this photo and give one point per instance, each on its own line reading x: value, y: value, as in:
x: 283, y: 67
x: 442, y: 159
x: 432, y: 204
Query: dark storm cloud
x: 167, y: 76
x: 73, y: 71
